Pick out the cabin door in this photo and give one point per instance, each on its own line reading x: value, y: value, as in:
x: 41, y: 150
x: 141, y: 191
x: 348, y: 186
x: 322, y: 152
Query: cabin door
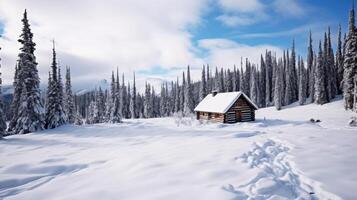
x: 239, y: 116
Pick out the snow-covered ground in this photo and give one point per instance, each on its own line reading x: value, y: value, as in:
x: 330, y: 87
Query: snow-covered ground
x: 280, y: 156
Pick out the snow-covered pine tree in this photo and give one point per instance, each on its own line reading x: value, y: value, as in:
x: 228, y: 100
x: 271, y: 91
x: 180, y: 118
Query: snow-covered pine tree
x: 123, y: 99
x: 2, y: 114
x: 109, y: 104
x: 278, y: 85
x: 302, y: 82
x: 253, y: 85
x: 133, y: 111
x: 268, y: 78
x: 262, y: 82
x: 178, y: 96
x: 326, y: 68
x: 332, y: 67
x: 182, y: 92
x: 350, y: 62
x: 247, y: 73
x: 115, y: 115
x: 216, y: 80
x: 311, y: 70
x: 203, y: 85
x: 188, y: 103
x: 339, y: 62
x: 69, y: 99
x: 229, y: 81
x: 29, y: 116
x: 55, y: 114
x: 320, y: 87
x: 221, y: 81
x: 14, y: 108
x: 78, y: 118
x: 293, y: 76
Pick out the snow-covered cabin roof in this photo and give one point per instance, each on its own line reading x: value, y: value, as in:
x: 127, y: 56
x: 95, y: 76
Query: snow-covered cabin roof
x: 221, y: 102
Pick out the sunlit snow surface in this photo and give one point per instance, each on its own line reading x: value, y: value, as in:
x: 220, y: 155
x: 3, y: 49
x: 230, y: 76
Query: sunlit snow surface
x: 280, y: 156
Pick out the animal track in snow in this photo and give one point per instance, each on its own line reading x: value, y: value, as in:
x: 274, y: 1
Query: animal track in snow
x: 276, y: 179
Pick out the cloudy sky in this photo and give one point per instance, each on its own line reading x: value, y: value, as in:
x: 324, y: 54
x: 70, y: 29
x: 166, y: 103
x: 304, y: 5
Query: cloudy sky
x: 158, y: 38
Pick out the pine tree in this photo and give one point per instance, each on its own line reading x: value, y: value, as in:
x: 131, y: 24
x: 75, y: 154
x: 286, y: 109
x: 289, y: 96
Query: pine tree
x: 203, y: 85
x: 78, y: 118
x: 69, y: 100
x: 262, y: 82
x: 229, y: 81
x: 254, y: 86
x: 55, y: 114
x: 278, y: 86
x: 2, y: 114
x: 311, y: 70
x: 188, y: 103
x: 350, y: 62
x: 27, y: 106
x: 302, y: 82
x: 133, y: 111
x: 320, y: 87
x: 268, y: 78
x: 339, y: 62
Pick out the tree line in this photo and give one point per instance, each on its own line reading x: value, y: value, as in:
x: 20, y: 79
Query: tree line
x: 275, y: 81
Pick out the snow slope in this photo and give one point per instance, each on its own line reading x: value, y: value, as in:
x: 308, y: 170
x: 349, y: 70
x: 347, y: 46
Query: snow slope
x: 280, y: 156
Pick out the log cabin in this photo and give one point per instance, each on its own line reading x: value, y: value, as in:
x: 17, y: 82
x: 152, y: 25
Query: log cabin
x: 228, y: 107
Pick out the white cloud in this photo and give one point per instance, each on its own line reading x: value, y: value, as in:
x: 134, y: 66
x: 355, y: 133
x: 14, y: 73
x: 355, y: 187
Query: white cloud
x: 227, y: 53
x: 241, y: 5
x: 241, y: 12
x: 290, y: 8
x: 94, y: 37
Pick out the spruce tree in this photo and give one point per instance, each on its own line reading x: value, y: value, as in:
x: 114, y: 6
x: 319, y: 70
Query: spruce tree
x: 278, y: 86
x: 302, y: 82
x: 2, y: 114
x: 350, y: 62
x: 55, y: 114
x: 178, y: 96
x: 69, y: 99
x: 268, y: 78
x: 133, y: 111
x: 262, y: 82
x: 339, y: 62
x: 311, y: 70
x: 320, y: 87
x: 188, y: 103
x: 203, y: 85
x: 28, y: 108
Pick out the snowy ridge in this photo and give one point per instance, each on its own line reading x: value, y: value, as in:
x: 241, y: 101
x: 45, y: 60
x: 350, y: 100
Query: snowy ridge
x: 277, y: 178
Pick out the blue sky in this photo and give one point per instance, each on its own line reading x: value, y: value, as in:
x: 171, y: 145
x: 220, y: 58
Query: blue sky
x: 159, y: 38
x: 317, y: 16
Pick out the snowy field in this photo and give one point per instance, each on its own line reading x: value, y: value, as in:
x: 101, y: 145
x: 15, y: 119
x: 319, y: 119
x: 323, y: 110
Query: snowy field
x: 280, y: 156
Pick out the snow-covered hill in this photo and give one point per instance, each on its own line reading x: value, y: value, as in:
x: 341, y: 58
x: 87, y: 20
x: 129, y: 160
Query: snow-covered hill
x: 280, y: 156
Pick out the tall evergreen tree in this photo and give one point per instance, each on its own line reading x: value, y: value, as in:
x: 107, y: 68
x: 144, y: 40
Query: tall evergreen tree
x: 339, y: 62
x: 28, y: 108
x: 278, y: 86
x: 203, y: 85
x: 320, y: 76
x: 55, y: 114
x: 262, y: 82
x: 311, y: 69
x: 188, y: 103
x: 69, y: 99
x: 350, y: 62
x: 302, y: 82
x: 2, y: 114
x: 268, y: 78
x: 133, y: 106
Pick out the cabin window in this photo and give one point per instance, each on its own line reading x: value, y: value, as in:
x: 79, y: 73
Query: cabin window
x: 216, y: 115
